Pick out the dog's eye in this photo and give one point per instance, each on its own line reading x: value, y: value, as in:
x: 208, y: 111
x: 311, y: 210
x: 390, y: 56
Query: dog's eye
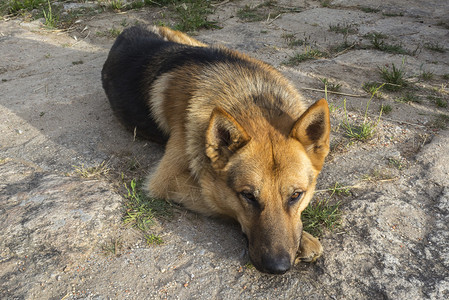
x: 248, y: 196
x: 295, y: 197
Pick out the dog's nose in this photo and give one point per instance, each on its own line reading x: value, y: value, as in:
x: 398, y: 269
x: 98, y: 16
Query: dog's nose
x: 276, y: 264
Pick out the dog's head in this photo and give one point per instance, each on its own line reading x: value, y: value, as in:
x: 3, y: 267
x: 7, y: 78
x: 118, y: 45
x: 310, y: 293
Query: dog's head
x: 265, y: 181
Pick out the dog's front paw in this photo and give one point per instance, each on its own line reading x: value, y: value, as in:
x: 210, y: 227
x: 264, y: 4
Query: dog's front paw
x: 310, y: 248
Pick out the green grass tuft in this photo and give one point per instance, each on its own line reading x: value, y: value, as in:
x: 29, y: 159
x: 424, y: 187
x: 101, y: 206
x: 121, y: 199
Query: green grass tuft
x: 375, y: 35
x: 249, y: 14
x: 394, y: 78
x: 92, y: 172
x: 114, y: 32
x: 263, y: 11
x: 378, y: 175
x: 292, y: 41
x: 142, y: 210
x: 392, y: 14
x: 409, y: 97
x: 320, y: 216
x: 339, y: 190
x: 193, y: 14
x: 379, y: 44
x: 326, y: 3
x: 396, y: 163
x: 386, y: 109
x: 111, y: 33
x: 361, y: 132
x: 365, y: 130
x: 369, y: 9
x: 308, y: 54
x: 336, y: 49
x: 51, y: 19
x: 152, y: 239
x: 426, y: 75
x: 334, y: 87
x: 117, y: 5
x: 372, y: 88
x: 113, y: 247
x: 440, y: 102
x: 16, y: 7
x: 343, y: 29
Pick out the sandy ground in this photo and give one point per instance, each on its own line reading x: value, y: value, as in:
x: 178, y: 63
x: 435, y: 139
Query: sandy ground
x: 394, y: 239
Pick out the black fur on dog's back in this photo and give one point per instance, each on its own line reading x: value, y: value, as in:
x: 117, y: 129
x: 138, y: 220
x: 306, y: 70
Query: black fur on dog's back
x: 137, y: 58
x: 122, y: 76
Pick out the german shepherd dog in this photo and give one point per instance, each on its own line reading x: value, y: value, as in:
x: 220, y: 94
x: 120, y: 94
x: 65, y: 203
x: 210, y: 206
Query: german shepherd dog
x: 240, y: 142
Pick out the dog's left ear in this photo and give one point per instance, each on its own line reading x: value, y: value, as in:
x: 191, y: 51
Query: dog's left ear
x: 224, y: 137
x: 313, y: 129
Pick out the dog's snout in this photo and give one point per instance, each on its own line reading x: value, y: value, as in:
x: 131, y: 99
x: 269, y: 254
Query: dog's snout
x: 276, y: 264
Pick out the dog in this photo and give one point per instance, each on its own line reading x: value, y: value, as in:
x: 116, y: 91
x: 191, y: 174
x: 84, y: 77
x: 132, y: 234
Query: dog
x: 239, y: 140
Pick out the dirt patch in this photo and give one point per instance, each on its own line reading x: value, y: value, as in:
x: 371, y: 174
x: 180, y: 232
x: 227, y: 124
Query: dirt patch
x: 62, y: 235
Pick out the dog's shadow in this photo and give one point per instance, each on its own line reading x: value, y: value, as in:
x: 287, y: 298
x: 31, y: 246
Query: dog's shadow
x: 207, y: 242
x: 212, y: 240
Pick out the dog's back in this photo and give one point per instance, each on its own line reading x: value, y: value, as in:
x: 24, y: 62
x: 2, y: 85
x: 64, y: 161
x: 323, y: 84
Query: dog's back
x: 133, y: 63
x: 122, y: 76
x: 141, y: 57
x: 138, y: 57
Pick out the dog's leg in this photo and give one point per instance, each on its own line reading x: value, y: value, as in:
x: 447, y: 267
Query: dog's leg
x: 172, y: 179
x: 310, y: 248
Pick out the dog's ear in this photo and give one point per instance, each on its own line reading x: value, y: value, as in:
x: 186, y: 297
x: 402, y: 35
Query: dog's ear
x: 313, y: 129
x: 224, y: 137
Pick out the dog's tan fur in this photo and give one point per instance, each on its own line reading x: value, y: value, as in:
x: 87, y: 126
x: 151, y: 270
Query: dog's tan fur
x: 271, y: 153
x: 242, y: 145
x: 176, y: 36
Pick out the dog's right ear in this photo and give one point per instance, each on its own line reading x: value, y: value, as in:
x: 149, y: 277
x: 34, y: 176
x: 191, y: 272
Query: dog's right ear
x: 224, y: 137
x: 312, y: 130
